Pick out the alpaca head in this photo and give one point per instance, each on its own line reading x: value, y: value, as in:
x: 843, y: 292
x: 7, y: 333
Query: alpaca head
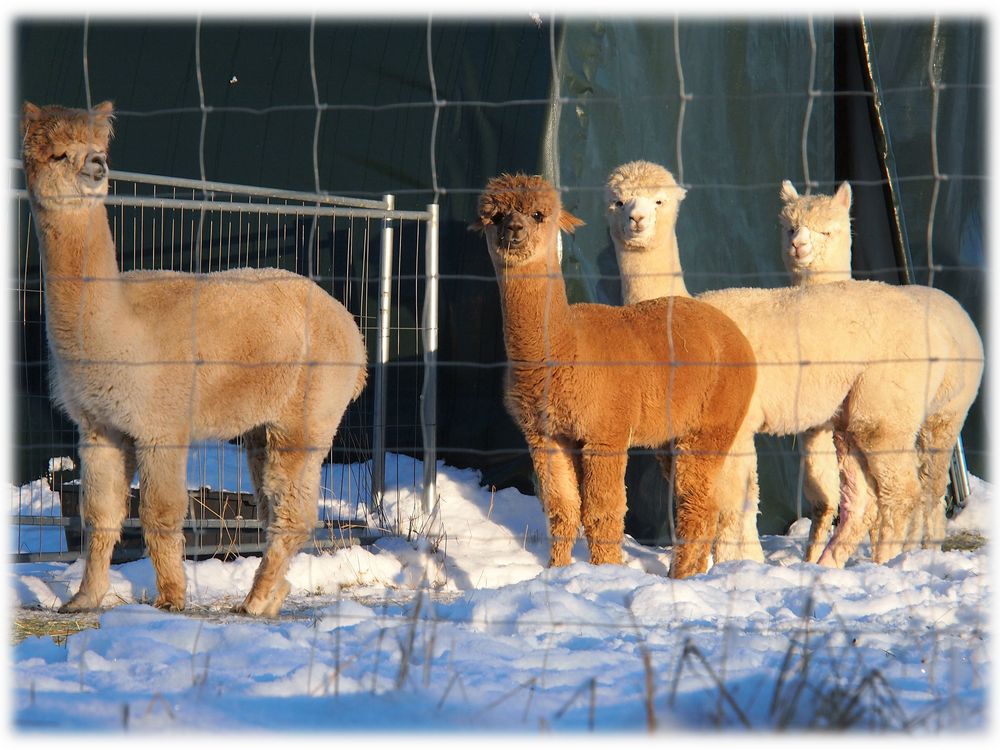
x: 816, y: 234
x: 640, y: 195
x: 520, y: 216
x: 64, y: 152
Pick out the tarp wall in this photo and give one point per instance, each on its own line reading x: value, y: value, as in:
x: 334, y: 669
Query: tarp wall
x: 241, y: 107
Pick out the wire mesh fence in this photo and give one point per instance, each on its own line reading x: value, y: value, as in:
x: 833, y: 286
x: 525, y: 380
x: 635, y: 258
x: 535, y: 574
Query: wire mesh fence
x: 900, y: 647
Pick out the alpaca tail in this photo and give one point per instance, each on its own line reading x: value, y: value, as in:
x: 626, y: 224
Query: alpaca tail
x: 359, y: 386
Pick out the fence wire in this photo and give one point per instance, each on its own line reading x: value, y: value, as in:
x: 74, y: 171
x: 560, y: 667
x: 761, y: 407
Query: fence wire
x: 195, y: 226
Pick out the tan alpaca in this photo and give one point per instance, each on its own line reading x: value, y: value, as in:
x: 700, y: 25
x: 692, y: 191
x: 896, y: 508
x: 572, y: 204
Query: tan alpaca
x: 863, y: 349
x: 148, y: 361
x: 585, y: 382
x: 642, y: 203
x: 816, y: 248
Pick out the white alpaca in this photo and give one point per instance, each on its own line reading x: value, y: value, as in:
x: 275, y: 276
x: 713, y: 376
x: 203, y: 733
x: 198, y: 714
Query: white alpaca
x: 865, y: 350
x: 146, y: 362
x: 642, y: 203
x: 816, y: 249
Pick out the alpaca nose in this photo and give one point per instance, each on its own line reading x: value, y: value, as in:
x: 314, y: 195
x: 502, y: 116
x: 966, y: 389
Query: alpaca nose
x: 96, y: 166
x: 514, y: 230
x: 637, y: 219
x: 801, y: 242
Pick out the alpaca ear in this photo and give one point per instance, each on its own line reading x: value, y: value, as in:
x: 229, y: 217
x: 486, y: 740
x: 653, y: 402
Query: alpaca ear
x: 568, y: 222
x: 843, y: 195
x: 29, y: 114
x: 476, y: 226
x: 788, y: 191
x: 105, y: 111
x: 681, y: 193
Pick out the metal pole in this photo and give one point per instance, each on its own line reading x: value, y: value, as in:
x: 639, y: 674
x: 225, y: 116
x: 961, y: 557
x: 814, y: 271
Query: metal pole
x: 382, y: 358
x: 428, y: 396
x: 960, y: 489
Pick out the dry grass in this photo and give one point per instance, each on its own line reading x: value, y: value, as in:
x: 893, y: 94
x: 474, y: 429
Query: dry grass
x: 964, y: 541
x: 38, y: 622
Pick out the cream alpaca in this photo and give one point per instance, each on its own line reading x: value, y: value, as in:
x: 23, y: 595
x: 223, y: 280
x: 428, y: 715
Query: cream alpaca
x: 585, y: 382
x: 816, y: 247
x: 890, y: 382
x: 148, y: 361
x: 642, y: 203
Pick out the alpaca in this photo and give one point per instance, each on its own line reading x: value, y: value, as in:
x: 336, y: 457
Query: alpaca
x: 146, y: 362
x: 816, y: 249
x: 642, y: 204
x: 865, y: 350
x: 585, y: 382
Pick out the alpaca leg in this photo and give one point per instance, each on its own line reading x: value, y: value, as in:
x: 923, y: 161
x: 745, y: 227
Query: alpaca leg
x: 821, y: 486
x: 255, y: 443
x: 698, y: 463
x: 603, y: 507
x: 291, y: 479
x: 557, y: 466
x: 738, y: 493
x: 854, y: 520
x: 162, y: 509
x: 936, y: 441
x: 107, y: 464
x: 892, y: 466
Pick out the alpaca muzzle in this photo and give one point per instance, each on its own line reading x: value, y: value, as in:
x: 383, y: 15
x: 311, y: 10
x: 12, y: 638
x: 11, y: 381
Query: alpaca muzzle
x: 513, y: 232
x: 95, y: 168
x: 801, y: 247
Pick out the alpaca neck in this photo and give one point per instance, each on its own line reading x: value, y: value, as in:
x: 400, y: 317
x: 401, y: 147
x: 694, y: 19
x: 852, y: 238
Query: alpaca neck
x: 653, y: 269
x: 83, y: 288
x: 535, y: 310
x: 817, y: 276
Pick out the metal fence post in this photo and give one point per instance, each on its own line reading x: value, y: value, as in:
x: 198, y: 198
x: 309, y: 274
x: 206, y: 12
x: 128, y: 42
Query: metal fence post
x: 428, y: 396
x: 382, y: 358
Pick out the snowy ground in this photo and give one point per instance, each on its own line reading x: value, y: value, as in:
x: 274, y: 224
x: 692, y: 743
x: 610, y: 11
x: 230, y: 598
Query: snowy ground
x: 464, y: 629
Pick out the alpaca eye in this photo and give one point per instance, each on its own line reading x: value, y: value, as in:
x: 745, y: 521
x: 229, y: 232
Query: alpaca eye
x: 659, y: 203
x: 59, y: 157
x: 619, y: 204
x: 538, y: 216
x: 497, y: 218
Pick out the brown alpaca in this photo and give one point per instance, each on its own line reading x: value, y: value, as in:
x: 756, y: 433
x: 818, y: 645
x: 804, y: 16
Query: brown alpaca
x: 586, y: 382
x: 146, y: 362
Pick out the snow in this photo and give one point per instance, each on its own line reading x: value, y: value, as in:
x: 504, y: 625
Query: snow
x: 463, y: 628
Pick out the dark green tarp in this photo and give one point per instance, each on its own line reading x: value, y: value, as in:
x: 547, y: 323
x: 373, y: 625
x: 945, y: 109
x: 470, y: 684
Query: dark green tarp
x: 240, y: 106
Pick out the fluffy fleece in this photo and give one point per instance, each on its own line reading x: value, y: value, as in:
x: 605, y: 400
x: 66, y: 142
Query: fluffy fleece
x: 146, y: 362
x: 585, y: 382
x: 816, y: 249
x: 873, y: 354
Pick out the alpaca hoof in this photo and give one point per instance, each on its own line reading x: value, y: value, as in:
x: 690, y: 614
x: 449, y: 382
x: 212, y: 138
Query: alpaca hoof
x: 269, y: 609
x: 80, y: 603
x: 169, y: 605
x: 260, y: 603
